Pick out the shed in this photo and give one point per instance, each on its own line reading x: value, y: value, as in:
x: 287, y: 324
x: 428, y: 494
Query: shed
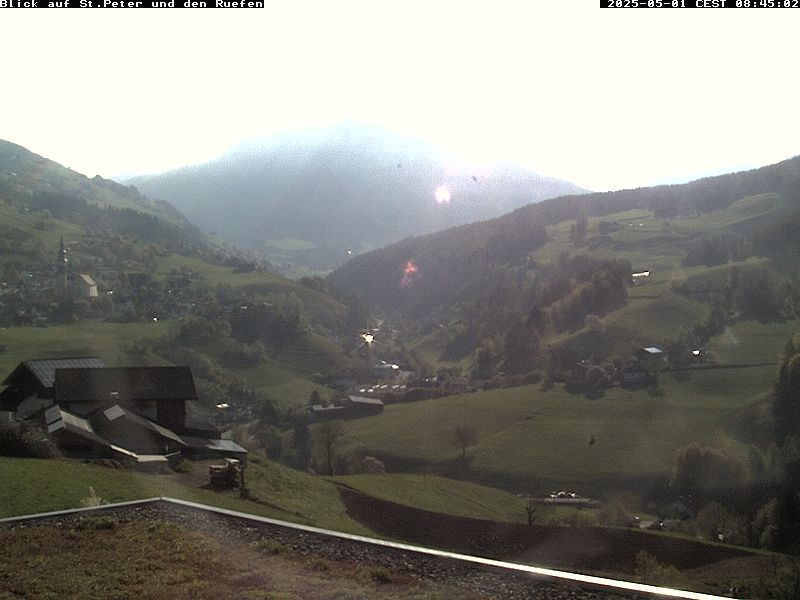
x: 135, y: 433
x: 199, y: 447
x: 75, y: 436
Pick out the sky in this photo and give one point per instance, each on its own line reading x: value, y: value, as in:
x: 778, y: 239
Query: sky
x: 608, y: 99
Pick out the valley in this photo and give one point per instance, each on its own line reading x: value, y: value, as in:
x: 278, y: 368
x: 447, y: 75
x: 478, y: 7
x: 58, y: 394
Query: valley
x: 590, y: 343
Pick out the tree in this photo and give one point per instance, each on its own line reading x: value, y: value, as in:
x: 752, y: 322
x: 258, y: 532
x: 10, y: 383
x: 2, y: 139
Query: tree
x: 301, y: 442
x: 327, y: 436
x: 577, y: 231
x: 463, y: 436
x: 706, y: 472
x: 520, y: 346
x: 786, y: 399
x: 531, y: 508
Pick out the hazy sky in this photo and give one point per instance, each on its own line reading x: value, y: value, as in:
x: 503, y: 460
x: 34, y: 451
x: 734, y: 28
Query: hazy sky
x: 605, y: 98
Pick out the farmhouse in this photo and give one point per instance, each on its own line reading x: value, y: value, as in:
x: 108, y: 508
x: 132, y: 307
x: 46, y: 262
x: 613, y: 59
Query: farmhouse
x: 134, y: 414
x: 29, y: 387
x: 352, y: 408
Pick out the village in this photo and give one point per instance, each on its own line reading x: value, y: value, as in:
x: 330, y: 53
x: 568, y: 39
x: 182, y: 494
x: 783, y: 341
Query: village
x: 138, y: 414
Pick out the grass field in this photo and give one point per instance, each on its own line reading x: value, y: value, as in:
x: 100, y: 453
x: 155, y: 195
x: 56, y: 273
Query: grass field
x: 529, y: 435
x: 751, y: 341
x: 32, y: 486
x: 458, y: 498
x: 113, y: 342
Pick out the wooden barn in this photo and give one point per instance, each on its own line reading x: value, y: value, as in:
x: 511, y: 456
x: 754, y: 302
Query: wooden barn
x: 133, y: 414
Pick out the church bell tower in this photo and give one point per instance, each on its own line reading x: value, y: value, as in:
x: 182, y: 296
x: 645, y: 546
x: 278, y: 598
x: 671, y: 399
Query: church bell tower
x: 61, y: 270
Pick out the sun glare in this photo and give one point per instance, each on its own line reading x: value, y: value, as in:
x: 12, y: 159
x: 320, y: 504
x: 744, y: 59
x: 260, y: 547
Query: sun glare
x: 442, y: 195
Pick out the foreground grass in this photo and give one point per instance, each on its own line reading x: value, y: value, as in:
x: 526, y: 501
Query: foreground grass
x: 33, y: 486
x: 115, y: 560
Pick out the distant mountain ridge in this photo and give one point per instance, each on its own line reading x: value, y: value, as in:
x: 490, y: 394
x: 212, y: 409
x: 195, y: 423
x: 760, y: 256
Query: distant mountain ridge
x: 24, y: 173
x: 347, y: 191
x: 449, y: 264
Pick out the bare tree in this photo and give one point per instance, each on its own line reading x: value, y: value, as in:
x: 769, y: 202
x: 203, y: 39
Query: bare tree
x: 464, y: 436
x: 327, y: 436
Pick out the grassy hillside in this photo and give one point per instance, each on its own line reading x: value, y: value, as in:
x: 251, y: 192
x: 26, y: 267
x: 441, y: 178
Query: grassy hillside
x: 23, y: 173
x: 116, y: 343
x: 46, y: 485
x: 458, y: 498
x: 527, y: 435
x: 153, y: 271
x: 32, y: 485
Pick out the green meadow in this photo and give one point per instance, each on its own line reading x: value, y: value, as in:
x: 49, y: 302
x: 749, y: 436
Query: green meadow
x: 33, y: 486
x: 115, y: 343
x: 565, y: 440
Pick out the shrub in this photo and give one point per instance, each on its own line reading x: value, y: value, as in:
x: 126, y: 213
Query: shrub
x: 92, y: 499
x: 374, y: 575
x: 649, y: 570
x: 370, y: 464
x: 26, y: 440
x: 269, y: 546
x: 99, y: 523
x: 184, y: 466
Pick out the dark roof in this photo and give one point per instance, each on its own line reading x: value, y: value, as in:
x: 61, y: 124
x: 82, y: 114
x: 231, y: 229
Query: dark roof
x: 57, y: 419
x: 103, y: 418
x: 125, y: 384
x: 44, y: 369
x: 365, y: 401
x: 198, y: 443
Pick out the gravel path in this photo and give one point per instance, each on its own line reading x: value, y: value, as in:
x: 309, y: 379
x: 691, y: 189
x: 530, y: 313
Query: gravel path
x: 490, y: 583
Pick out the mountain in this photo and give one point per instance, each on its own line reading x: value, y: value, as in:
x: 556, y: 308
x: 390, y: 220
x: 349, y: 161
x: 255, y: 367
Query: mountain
x: 449, y: 263
x: 316, y: 198
x: 558, y: 274
x: 155, y: 288
x: 39, y: 187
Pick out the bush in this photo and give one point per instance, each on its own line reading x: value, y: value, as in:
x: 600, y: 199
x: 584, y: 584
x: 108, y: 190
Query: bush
x: 649, y: 570
x: 706, y: 472
x: 370, y: 464
x: 92, y: 500
x: 25, y: 440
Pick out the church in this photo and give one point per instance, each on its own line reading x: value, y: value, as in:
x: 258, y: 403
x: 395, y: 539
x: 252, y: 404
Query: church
x: 78, y: 286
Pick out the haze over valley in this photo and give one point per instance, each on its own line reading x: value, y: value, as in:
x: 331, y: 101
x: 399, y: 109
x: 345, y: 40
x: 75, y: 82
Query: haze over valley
x: 518, y: 279
x: 309, y: 200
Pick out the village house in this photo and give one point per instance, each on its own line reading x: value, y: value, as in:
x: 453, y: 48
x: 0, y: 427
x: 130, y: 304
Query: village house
x: 83, y: 286
x: 137, y: 415
x: 353, y: 407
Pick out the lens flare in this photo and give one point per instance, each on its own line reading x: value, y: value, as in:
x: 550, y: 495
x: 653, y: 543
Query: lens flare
x: 442, y: 195
x: 408, y: 274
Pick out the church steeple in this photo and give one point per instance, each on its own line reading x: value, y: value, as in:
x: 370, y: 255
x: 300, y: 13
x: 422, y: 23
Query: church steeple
x: 61, y: 269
